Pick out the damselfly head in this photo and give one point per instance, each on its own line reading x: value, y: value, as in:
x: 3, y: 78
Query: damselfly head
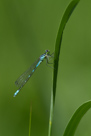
x: 47, y: 51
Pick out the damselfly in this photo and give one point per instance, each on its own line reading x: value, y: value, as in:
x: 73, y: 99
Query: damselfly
x: 21, y: 81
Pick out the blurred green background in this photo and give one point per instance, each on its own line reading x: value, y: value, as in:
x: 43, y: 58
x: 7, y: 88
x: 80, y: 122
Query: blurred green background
x: 27, y: 29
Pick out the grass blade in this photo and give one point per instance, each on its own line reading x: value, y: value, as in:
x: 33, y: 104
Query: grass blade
x: 65, y: 18
x: 74, y: 122
x: 30, y: 120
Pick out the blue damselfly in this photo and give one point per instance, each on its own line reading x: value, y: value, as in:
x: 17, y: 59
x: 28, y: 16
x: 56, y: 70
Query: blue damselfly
x: 21, y: 81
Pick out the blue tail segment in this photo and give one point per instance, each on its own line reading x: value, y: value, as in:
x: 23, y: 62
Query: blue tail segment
x: 16, y: 93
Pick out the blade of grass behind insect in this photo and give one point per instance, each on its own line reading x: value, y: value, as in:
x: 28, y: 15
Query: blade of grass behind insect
x: 65, y: 18
x: 75, y: 120
x: 30, y: 120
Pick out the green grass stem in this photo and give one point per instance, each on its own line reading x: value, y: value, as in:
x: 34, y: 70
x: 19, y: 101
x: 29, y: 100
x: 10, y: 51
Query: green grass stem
x: 65, y: 18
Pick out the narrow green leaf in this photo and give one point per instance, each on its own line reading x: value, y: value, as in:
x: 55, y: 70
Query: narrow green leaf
x: 65, y: 18
x: 30, y: 120
x: 75, y: 120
